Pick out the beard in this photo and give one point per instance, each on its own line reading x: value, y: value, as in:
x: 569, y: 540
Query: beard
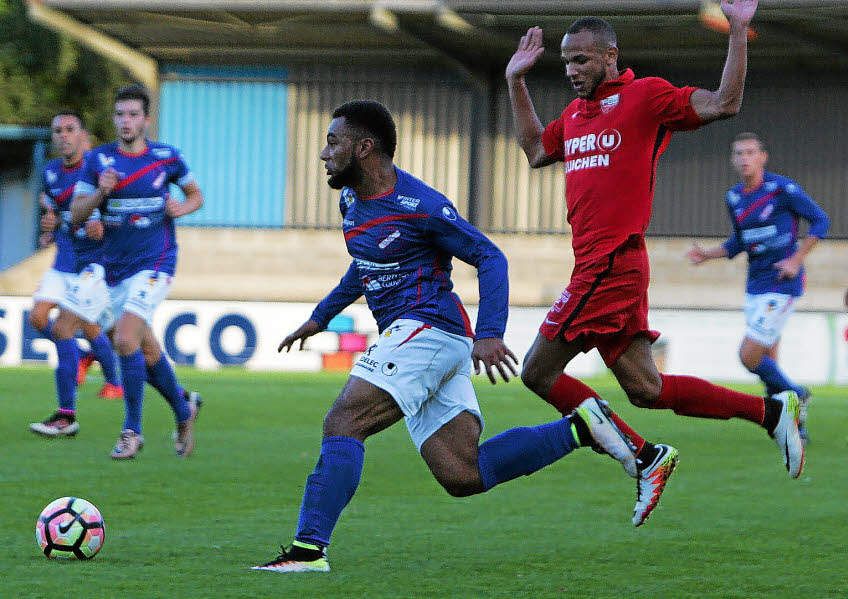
x: 350, y: 176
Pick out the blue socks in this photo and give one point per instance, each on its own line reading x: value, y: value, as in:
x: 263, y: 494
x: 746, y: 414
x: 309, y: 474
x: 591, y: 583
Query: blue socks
x: 133, y: 376
x: 101, y: 349
x: 161, y: 376
x: 329, y: 489
x: 66, y: 374
x: 516, y: 452
x: 774, y: 379
x: 523, y: 451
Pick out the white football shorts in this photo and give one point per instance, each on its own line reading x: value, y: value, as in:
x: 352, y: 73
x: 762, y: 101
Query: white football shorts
x: 141, y: 294
x: 766, y: 315
x: 53, y: 286
x: 426, y: 370
x: 88, y: 297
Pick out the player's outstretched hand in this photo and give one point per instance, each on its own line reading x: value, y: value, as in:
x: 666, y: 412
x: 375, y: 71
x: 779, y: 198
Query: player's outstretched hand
x: 306, y: 330
x: 787, y: 268
x: 494, y: 354
x: 530, y: 48
x: 739, y: 12
x: 696, y: 254
x: 107, y: 181
x: 94, y: 229
x: 49, y: 221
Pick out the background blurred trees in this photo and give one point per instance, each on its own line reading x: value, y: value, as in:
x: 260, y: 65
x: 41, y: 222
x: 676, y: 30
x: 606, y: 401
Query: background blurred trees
x: 42, y: 72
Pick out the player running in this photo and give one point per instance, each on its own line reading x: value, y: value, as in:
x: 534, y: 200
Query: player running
x: 764, y: 209
x: 128, y: 180
x: 77, y: 247
x: 402, y: 235
x: 610, y: 139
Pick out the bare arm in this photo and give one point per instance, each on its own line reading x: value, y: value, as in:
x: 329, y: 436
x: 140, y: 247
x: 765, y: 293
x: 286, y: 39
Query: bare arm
x: 791, y: 266
x: 698, y: 255
x: 528, y: 127
x: 193, y: 201
x: 726, y: 101
x: 84, y: 205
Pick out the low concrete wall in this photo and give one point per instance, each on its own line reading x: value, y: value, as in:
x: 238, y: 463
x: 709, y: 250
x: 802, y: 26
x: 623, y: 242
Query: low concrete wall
x: 295, y: 265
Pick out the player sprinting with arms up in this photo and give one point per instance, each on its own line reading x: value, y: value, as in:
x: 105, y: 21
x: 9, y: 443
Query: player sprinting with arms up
x: 128, y: 180
x: 764, y: 209
x: 402, y: 235
x: 77, y: 248
x: 610, y: 139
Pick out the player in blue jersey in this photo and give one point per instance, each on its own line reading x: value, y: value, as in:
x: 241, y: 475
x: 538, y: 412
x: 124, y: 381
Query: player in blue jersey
x: 402, y: 235
x: 76, y: 248
x: 128, y: 181
x: 764, y: 210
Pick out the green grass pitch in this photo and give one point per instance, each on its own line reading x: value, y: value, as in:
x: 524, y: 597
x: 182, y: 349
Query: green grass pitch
x: 731, y: 523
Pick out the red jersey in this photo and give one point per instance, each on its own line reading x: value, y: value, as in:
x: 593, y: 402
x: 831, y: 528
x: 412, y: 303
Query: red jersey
x: 610, y: 145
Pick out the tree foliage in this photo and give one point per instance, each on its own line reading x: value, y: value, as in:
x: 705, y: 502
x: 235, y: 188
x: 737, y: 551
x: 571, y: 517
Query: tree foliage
x: 42, y: 72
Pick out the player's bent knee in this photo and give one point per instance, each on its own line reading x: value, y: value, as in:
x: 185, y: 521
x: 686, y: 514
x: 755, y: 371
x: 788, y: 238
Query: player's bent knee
x: 126, y: 346
x: 38, y: 319
x: 643, y: 396
x: 535, y: 379
x: 461, y: 487
x: 339, y: 423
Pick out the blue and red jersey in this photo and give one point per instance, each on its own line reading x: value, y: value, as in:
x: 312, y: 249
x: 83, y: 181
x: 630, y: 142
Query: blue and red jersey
x: 139, y: 235
x: 765, y: 226
x: 402, y: 244
x: 74, y: 249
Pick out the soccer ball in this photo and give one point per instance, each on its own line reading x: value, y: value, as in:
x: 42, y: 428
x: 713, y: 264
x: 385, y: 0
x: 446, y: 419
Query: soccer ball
x: 70, y: 528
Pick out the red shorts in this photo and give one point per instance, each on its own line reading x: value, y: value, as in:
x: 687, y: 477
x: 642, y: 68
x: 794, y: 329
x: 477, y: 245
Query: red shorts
x: 606, y: 303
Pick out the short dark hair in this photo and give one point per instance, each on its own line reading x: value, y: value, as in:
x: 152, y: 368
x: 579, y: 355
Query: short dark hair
x: 73, y: 113
x: 373, y: 119
x: 748, y: 135
x: 135, y: 91
x: 600, y: 28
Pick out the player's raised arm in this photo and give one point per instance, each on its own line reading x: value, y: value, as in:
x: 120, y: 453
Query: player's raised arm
x: 726, y: 101
x: 528, y: 127
x: 344, y: 294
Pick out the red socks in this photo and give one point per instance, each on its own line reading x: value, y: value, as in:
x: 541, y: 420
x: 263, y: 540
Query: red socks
x: 691, y: 396
x: 567, y: 393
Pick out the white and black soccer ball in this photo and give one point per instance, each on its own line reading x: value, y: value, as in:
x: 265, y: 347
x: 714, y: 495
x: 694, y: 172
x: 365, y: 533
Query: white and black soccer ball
x: 70, y: 528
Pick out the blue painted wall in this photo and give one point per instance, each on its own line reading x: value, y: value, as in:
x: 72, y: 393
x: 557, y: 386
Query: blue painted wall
x: 231, y: 127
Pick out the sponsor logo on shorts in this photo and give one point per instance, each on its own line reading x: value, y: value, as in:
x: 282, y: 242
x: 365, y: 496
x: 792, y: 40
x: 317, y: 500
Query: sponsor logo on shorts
x: 389, y: 368
x: 367, y: 363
